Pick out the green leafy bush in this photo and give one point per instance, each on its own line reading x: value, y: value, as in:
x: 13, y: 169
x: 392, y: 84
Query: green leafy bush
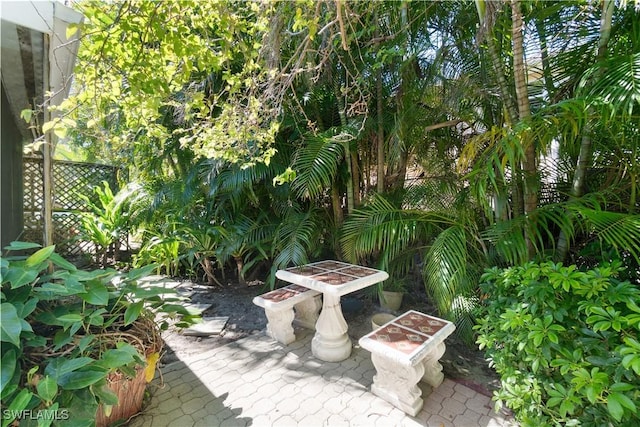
x: 108, y: 219
x: 65, y: 331
x: 565, y: 343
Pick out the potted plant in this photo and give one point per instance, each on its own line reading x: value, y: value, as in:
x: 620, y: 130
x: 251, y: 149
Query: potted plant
x: 71, y: 338
x: 391, y: 292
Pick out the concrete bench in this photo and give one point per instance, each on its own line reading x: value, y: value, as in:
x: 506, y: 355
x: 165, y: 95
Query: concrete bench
x: 285, y: 305
x: 405, y: 351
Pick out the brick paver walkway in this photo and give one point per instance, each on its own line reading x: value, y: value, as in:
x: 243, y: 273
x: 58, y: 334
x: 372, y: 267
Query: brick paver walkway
x: 256, y: 381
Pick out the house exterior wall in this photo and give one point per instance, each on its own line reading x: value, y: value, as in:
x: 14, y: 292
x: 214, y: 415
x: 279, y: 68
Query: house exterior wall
x: 10, y: 177
x: 37, y: 58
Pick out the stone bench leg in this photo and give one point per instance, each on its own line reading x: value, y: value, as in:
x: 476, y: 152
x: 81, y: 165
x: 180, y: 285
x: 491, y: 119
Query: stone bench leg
x: 307, y: 311
x: 432, y: 368
x: 279, y: 325
x: 398, y: 384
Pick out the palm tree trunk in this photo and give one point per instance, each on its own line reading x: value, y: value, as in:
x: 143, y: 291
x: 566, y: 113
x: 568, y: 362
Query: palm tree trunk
x: 486, y: 14
x: 239, y: 266
x: 529, y: 168
x: 207, y: 266
x: 544, y: 58
x: 356, y: 178
x: 380, y: 132
x: 338, y: 215
x: 347, y: 152
x: 584, y: 157
x: 350, y: 190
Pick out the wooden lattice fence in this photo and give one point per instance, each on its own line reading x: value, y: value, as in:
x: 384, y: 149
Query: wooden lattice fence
x: 70, y: 179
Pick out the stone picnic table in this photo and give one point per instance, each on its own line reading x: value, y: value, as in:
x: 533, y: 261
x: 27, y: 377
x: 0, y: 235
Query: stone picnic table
x: 333, y: 279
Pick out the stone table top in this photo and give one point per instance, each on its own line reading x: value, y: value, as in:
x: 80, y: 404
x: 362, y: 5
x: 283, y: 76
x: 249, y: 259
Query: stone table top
x: 332, y: 277
x: 409, y: 337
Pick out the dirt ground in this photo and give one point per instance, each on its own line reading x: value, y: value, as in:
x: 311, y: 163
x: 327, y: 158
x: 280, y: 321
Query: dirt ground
x: 460, y: 362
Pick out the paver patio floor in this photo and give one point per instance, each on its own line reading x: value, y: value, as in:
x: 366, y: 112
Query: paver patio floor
x: 256, y: 381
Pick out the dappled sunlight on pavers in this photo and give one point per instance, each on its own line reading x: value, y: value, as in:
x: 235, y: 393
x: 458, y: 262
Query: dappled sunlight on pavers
x: 256, y: 381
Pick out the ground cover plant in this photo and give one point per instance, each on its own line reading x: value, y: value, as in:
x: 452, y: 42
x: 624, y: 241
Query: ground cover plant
x: 565, y: 343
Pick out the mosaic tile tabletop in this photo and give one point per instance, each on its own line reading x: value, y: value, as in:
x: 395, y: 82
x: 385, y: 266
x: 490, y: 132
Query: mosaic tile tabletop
x: 333, y: 272
x: 409, y: 333
x: 323, y: 275
x: 284, y: 293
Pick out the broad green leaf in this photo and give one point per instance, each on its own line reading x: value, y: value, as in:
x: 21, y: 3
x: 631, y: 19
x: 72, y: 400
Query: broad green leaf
x: 61, y: 262
x: 138, y: 273
x: 70, y: 287
x: 47, y: 126
x: 10, y: 324
x: 47, y: 388
x: 614, y: 406
x: 28, y: 307
x: 106, y: 396
x: 61, y: 366
x: 21, y: 246
x: 62, y: 338
x: 26, y: 115
x: 96, y: 293
x: 25, y: 326
x: 81, y: 379
x: 115, y: 358
x: 85, y: 341
x: 40, y: 256
x: 70, y: 318
x: 19, y: 403
x: 53, y: 290
x: 133, y: 312
x: 623, y: 400
x: 19, y: 276
x: 47, y: 421
x: 96, y: 318
x: 7, y: 368
x: 35, y: 341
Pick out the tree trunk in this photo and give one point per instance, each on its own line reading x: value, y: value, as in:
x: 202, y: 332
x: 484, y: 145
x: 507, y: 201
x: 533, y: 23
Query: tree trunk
x: 239, y: 267
x: 486, y: 14
x: 207, y: 266
x: 529, y: 167
x: 347, y: 152
x: 350, y: 190
x: 338, y: 215
x: 584, y: 157
x: 544, y: 57
x: 380, y: 132
x: 355, y: 166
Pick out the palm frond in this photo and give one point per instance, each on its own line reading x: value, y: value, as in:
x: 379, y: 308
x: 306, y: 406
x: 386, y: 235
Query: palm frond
x: 619, y: 230
x: 451, y: 274
x: 382, y: 228
x: 508, y: 239
x: 317, y: 165
x: 618, y: 88
x: 296, y: 240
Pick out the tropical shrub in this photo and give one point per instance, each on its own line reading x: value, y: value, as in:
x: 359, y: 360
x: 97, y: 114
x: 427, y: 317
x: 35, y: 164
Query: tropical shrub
x: 565, y: 343
x: 65, y: 333
x: 108, y: 218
